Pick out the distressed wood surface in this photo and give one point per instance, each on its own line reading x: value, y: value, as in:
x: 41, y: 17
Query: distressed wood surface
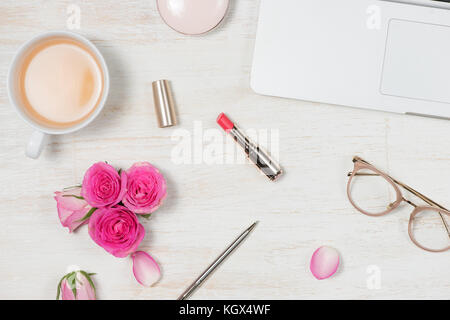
x: 211, y: 203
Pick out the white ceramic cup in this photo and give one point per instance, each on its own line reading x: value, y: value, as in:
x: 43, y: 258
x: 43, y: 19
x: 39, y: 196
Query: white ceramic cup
x: 39, y: 136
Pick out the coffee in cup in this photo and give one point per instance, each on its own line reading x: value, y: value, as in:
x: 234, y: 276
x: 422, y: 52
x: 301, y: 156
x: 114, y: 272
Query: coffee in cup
x: 58, y: 83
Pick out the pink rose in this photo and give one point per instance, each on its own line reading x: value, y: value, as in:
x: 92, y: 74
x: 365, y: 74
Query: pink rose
x: 103, y: 186
x: 146, y: 188
x: 71, y: 208
x: 116, y: 229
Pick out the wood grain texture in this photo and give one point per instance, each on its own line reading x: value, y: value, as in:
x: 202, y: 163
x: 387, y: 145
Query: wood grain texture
x: 208, y: 205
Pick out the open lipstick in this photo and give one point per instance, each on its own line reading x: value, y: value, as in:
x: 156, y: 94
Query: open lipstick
x: 258, y: 156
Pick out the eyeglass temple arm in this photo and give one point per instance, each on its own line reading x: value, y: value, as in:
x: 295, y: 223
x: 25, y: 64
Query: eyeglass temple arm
x: 409, y: 189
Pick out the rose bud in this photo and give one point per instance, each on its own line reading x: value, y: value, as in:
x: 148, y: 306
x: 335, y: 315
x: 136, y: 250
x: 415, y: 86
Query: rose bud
x: 103, y: 186
x: 117, y: 230
x: 73, y: 210
x: 146, y: 188
x: 76, y: 285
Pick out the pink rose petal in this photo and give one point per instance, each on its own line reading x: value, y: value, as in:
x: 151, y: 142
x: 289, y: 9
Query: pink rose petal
x: 84, y: 289
x: 324, y: 262
x: 145, y: 269
x: 66, y: 292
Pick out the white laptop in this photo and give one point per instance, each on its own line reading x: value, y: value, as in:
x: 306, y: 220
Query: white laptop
x: 383, y: 55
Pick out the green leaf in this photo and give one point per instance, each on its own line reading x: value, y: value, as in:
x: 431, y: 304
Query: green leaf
x: 72, y: 281
x: 120, y: 170
x: 88, y: 215
x: 72, y: 187
x: 146, y: 216
x: 72, y: 195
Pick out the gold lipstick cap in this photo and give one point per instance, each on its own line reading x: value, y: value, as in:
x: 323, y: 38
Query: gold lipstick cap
x: 164, y: 104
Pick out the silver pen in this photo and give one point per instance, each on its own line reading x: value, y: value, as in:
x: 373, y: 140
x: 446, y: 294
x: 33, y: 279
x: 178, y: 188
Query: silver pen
x: 216, y: 263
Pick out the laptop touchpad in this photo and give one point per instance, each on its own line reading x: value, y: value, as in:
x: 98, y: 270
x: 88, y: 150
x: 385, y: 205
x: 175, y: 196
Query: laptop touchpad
x: 417, y: 61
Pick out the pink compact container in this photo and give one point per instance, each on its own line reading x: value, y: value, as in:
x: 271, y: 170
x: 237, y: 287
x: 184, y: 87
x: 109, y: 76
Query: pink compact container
x: 192, y: 17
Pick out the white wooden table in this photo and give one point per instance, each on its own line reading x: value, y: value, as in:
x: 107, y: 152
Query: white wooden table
x: 209, y: 203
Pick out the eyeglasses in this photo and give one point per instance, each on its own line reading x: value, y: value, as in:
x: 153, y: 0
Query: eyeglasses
x: 375, y: 193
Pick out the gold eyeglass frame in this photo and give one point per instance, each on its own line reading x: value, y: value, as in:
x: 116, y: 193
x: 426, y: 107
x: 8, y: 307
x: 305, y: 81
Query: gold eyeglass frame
x: 360, y: 164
